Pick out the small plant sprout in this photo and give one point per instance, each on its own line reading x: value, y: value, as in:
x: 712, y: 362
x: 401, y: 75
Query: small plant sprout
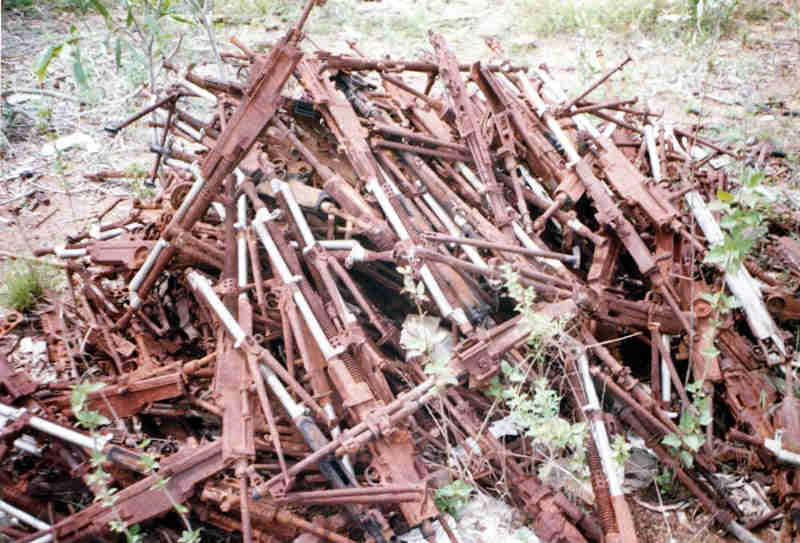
x: 536, y: 414
x: 544, y: 329
x: 692, y: 423
x: 621, y: 449
x: 665, y: 481
x: 452, y: 498
x: 414, y: 289
x: 140, y: 190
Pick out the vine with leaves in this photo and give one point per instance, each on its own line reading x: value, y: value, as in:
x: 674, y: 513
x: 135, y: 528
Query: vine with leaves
x: 99, y: 480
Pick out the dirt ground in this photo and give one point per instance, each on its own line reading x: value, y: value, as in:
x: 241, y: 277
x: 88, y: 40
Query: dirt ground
x: 742, y: 88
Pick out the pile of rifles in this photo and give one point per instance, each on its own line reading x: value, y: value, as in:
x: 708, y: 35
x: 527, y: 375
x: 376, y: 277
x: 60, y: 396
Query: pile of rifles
x: 269, y: 327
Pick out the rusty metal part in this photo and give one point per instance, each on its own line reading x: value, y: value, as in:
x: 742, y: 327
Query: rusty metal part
x: 572, y: 259
x: 10, y: 321
x: 267, y: 78
x: 467, y: 122
x: 783, y: 304
x: 266, y: 516
x: 169, y: 101
x: 339, y: 62
x: 368, y: 495
x: 342, y: 192
x: 128, y: 396
x: 600, y: 81
x: 142, y: 500
x: 15, y: 384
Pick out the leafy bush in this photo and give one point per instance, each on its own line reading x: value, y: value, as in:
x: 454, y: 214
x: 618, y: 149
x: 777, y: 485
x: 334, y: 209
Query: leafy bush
x: 536, y: 414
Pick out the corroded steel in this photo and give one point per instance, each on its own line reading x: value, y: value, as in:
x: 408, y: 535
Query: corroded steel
x: 255, y: 321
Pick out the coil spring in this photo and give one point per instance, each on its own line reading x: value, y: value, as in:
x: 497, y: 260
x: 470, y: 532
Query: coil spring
x: 602, y: 498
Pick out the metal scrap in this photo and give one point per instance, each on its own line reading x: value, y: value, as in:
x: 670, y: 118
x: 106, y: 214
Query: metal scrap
x: 245, y: 323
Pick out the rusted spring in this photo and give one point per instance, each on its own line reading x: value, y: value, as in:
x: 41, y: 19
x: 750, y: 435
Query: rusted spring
x: 602, y: 497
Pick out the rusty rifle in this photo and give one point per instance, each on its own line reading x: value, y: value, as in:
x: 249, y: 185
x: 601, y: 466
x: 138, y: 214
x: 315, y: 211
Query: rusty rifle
x: 267, y: 78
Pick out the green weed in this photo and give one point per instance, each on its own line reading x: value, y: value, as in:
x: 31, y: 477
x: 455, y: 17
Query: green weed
x: 535, y: 411
x: 136, y: 169
x: 141, y: 191
x: 692, y: 424
x: 533, y: 406
x: 25, y: 283
x: 452, y: 498
x: 713, y: 18
x: 100, y: 481
x: 666, y: 482
x: 743, y: 220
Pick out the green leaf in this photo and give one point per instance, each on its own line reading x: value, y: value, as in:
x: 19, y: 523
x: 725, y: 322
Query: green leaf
x: 671, y: 440
x: 713, y: 299
x: 453, y: 497
x: 753, y: 179
x: 98, y: 459
x: 621, y: 449
x: 705, y: 417
x: 101, y: 9
x: 118, y: 52
x: 687, y: 459
x: 495, y: 389
x: 129, y: 17
x: 688, y: 422
x: 420, y: 334
x: 80, y: 73
x: 710, y: 351
x: 181, y: 19
x: 440, y: 369
x: 695, y: 387
x: 190, y: 536
x: 45, y: 58
x: 91, y: 419
x: 694, y: 441
x: 729, y: 222
x: 513, y: 373
x: 148, y: 462
x: 724, y: 196
x: 80, y: 393
x: 160, y: 483
x: 97, y: 478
